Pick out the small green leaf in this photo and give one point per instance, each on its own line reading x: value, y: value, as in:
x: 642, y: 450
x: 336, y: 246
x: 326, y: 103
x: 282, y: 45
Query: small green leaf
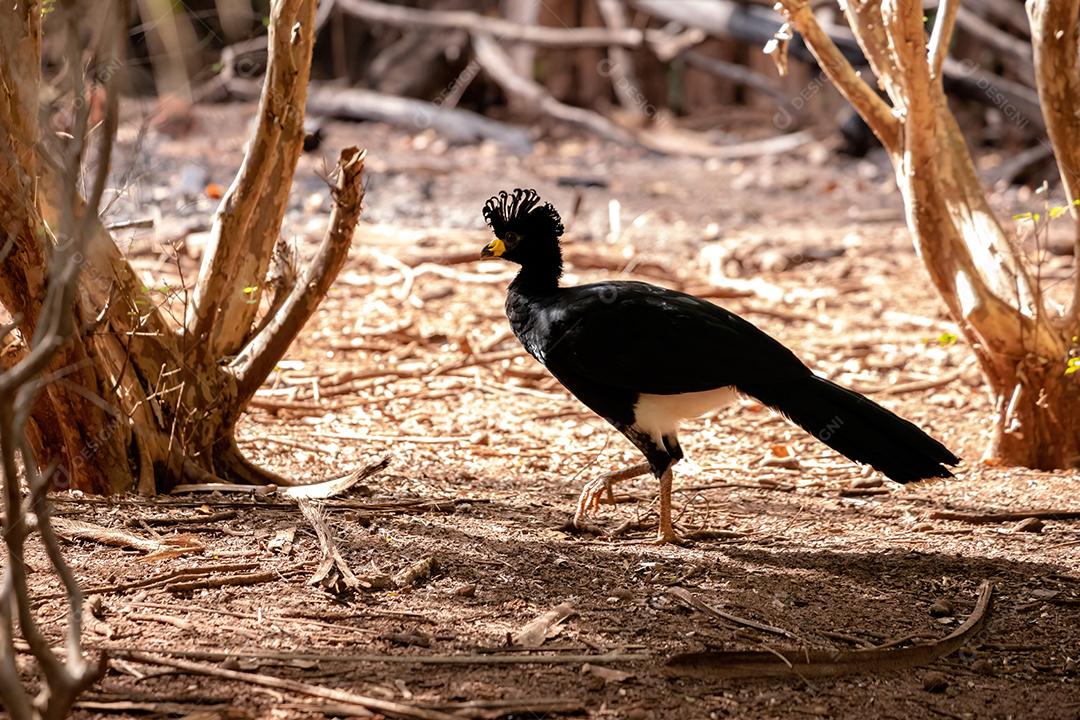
x: 1022, y: 216
x: 947, y: 338
x: 1073, y: 366
x: 250, y: 289
x: 1058, y: 211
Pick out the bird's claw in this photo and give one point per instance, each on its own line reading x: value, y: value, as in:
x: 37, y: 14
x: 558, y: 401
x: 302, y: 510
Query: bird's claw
x: 590, y: 498
x: 668, y: 537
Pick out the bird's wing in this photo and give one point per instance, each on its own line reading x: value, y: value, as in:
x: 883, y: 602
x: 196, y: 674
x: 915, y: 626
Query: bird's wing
x: 648, y: 339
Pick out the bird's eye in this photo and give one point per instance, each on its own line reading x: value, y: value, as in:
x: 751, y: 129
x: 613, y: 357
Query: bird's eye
x: 512, y: 239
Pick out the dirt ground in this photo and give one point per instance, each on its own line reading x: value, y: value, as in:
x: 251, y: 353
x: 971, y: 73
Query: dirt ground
x: 410, y: 359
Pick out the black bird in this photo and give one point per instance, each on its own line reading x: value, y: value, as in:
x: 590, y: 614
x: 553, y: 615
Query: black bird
x: 644, y: 358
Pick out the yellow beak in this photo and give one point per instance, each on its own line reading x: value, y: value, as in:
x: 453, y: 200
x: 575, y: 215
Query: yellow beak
x: 495, y: 248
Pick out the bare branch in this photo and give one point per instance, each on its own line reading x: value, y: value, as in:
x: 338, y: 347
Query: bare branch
x: 15, y: 537
x: 361, y: 104
x: 19, y: 386
x: 498, y: 65
x: 12, y: 694
x: 264, y: 351
x: 1057, y: 75
x: 944, y: 25
x: 402, y: 16
x: 620, y: 60
x: 1000, y: 40
x: 248, y: 220
x: 113, y: 44
x: 39, y: 486
x: 736, y: 73
x: 867, y: 103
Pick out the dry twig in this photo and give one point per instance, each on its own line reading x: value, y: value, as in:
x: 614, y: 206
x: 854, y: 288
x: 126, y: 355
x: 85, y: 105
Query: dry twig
x: 685, y: 597
x: 990, y: 518
x: 119, y: 651
x: 806, y: 663
x: 386, y: 707
x: 243, y: 580
x: 333, y: 572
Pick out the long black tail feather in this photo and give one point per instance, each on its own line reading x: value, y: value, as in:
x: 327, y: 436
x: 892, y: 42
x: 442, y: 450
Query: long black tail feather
x: 857, y: 428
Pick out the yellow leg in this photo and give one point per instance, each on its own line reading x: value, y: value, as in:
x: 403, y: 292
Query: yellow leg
x: 666, y: 533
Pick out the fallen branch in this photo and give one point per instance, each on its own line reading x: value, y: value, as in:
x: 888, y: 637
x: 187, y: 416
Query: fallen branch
x: 805, y: 663
x: 242, y: 580
x: 456, y: 125
x: 1016, y: 164
x: 189, y: 519
x: 360, y: 104
x: 419, y: 570
x: 739, y: 74
x: 990, y: 518
x: 916, y: 385
x: 1003, y: 42
x: 333, y: 572
x: 157, y: 709
x: 497, y: 64
x: 413, y: 18
x: 385, y: 707
x: 686, y: 598
x: 160, y: 579
x: 77, y: 529
x: 126, y: 652
x: 163, y: 619
x: 524, y: 707
x: 692, y: 144
x: 331, y: 488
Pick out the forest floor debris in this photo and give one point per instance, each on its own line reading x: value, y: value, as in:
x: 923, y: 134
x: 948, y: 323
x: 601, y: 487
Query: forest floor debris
x: 488, y: 455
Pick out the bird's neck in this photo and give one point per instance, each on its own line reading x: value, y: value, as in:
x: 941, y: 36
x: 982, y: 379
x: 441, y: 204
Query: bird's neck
x: 539, y: 276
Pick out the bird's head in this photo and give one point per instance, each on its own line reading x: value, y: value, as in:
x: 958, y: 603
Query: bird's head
x: 526, y: 232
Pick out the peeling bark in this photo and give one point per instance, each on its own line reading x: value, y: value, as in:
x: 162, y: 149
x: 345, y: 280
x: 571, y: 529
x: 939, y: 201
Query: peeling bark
x: 142, y: 405
x: 248, y: 220
x: 1057, y: 76
x: 1021, y: 344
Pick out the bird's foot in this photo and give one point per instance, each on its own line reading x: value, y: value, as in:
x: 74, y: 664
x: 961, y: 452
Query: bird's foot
x: 594, y: 490
x: 590, y: 498
x: 668, y: 536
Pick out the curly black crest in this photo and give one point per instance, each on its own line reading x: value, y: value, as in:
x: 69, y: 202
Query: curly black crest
x: 521, y: 212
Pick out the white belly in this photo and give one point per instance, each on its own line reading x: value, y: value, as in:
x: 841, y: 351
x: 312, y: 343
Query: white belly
x: 659, y: 415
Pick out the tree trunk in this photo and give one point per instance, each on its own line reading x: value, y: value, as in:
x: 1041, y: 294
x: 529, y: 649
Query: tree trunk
x: 1022, y: 344
x: 136, y: 403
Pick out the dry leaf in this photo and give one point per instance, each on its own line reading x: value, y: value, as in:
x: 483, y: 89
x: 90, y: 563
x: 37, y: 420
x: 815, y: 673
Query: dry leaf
x: 608, y: 675
x: 540, y: 628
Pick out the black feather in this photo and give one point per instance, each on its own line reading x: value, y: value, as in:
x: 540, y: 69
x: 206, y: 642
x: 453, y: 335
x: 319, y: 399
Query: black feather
x: 856, y: 427
x: 520, y: 212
